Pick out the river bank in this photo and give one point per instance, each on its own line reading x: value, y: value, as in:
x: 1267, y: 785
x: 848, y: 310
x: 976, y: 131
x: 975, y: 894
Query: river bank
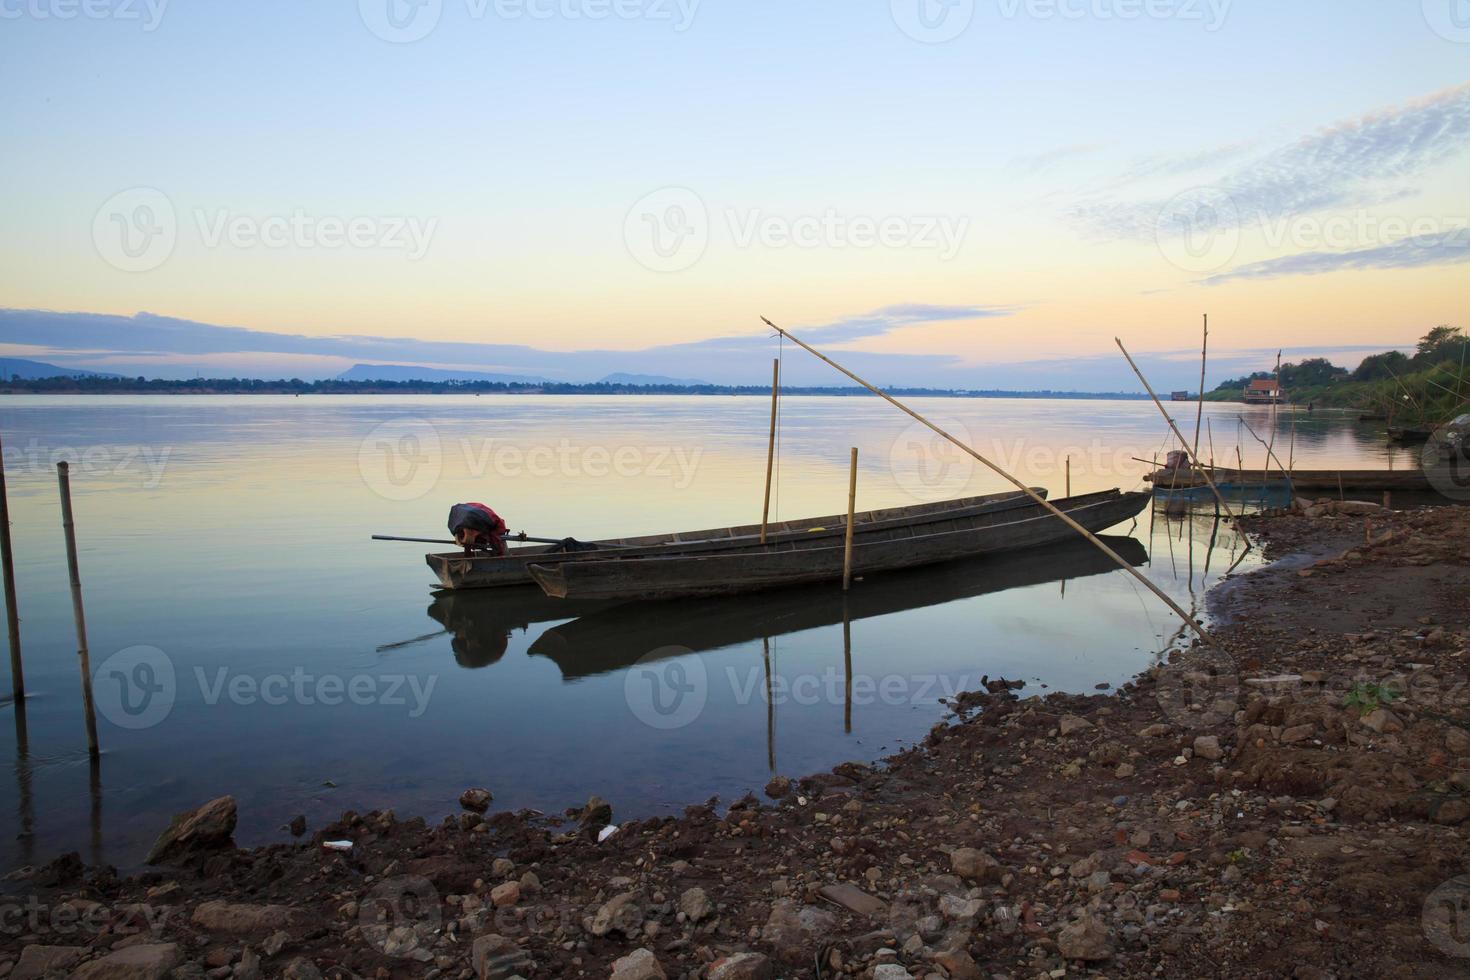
x: 1285, y: 803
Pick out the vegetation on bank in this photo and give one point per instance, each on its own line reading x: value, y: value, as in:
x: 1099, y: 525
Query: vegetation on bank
x: 1426, y: 388
x: 331, y: 386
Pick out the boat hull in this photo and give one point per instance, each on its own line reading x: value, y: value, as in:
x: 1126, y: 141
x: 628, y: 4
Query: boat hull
x: 456, y: 571
x: 682, y: 576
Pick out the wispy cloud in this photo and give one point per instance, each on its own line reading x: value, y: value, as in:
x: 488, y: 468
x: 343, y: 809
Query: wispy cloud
x: 1407, y: 253
x: 891, y: 318
x: 1360, y: 161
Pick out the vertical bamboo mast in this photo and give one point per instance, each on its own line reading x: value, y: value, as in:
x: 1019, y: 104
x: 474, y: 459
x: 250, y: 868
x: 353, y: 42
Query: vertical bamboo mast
x: 1069, y: 476
x: 851, y: 509
x: 12, y: 614
x: 68, y: 527
x: 1177, y: 434
x: 1063, y: 516
x: 771, y: 444
x: 1199, y: 412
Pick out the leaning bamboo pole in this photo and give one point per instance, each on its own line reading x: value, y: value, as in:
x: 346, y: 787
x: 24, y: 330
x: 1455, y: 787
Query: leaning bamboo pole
x: 851, y: 513
x: 1199, y: 412
x: 1177, y: 434
x: 771, y: 444
x: 1270, y: 455
x: 1066, y: 519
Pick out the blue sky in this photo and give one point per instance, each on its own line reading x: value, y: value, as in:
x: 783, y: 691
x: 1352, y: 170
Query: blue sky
x: 1049, y: 134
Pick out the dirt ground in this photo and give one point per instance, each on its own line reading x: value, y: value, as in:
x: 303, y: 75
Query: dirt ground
x: 1285, y: 803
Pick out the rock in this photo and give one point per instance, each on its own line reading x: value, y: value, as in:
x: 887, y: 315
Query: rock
x: 297, y: 826
x: 622, y: 913
x: 778, y: 787
x: 506, y: 895
x: 219, y: 916
x: 274, y: 943
x: 1356, y: 508
x: 37, y: 961
x: 1457, y: 740
x: 495, y: 957
x: 854, y: 899
x: 974, y: 865
x: 301, y: 968
x: 640, y: 964
x: 1382, y: 721
x: 477, y: 800
x: 959, y: 964
x: 595, y: 815
x: 1071, y: 724
x: 1154, y: 731
x: 1208, y: 747
x: 891, y: 971
x: 249, y: 966
x: 1086, y: 939
x: 1452, y: 812
x: 209, y: 827
x: 502, y: 867
x: 743, y: 966
x: 957, y: 908
x: 695, y: 905
x: 145, y: 961
x: 792, y: 930
x: 1298, y: 733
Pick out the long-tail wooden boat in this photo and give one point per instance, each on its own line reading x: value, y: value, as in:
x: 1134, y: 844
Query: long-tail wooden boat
x: 783, y: 564
x: 1304, y: 480
x: 621, y: 635
x: 458, y: 571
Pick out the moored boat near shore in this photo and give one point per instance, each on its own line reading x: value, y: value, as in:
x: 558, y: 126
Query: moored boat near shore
x: 456, y: 570
x: 1025, y: 525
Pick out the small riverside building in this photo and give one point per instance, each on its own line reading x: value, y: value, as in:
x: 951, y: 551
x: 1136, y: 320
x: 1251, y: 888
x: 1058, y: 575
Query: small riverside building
x: 1264, y: 391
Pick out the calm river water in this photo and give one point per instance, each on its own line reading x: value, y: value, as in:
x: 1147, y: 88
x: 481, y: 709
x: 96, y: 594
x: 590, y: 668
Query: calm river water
x: 248, y: 638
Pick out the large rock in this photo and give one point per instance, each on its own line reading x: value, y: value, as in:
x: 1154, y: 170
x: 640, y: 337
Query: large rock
x: 640, y: 964
x: 621, y: 913
x: 695, y: 905
x: 974, y: 865
x: 495, y: 957
x: 234, y: 917
x: 146, y: 961
x: 794, y: 930
x: 210, y: 827
x: 743, y: 966
x: 37, y: 961
x: 1208, y: 747
x: 958, y: 963
x: 854, y: 899
x: 1085, y: 939
x: 477, y: 799
x: 595, y: 815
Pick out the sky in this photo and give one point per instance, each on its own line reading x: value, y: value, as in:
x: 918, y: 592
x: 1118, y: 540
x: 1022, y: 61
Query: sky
x: 948, y: 192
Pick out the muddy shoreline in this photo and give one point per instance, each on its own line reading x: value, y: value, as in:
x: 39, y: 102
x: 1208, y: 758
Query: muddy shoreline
x: 1287, y: 803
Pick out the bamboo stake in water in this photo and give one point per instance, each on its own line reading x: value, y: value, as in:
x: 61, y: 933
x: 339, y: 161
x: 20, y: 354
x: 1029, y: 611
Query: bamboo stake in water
x: 1048, y: 505
x: 1199, y: 412
x: 68, y: 527
x: 1069, y: 476
x: 1175, y: 429
x: 771, y: 444
x: 851, y: 508
x: 12, y: 615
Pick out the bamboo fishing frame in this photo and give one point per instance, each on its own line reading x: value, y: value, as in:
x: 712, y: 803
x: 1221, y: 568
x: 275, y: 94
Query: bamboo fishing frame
x: 771, y: 445
x: 1065, y: 518
x: 1175, y: 429
x: 1199, y: 412
x: 851, y: 511
x: 1270, y: 455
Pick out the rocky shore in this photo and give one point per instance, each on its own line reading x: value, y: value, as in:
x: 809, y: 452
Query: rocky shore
x: 1286, y: 802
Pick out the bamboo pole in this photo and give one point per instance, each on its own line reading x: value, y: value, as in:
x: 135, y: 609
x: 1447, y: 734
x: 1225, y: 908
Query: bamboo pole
x: 12, y: 614
x: 1177, y: 434
x: 851, y: 508
x: 1048, y: 505
x: 68, y: 527
x: 1270, y: 455
x: 847, y: 668
x: 1069, y: 476
x: 771, y: 444
x: 1199, y: 412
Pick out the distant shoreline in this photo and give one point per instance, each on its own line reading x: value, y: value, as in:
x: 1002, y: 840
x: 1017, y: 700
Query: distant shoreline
x: 235, y: 386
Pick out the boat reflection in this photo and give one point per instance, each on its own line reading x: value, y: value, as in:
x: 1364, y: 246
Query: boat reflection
x: 481, y: 621
x: 618, y: 637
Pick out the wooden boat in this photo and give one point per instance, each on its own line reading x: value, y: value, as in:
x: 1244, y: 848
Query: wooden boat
x: 456, y: 571
x: 1027, y: 525
x: 1409, y: 435
x: 619, y: 636
x: 1305, y: 481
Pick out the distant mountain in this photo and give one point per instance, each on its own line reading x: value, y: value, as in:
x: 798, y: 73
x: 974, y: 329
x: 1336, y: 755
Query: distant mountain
x: 407, y: 372
x: 623, y: 378
x: 10, y: 367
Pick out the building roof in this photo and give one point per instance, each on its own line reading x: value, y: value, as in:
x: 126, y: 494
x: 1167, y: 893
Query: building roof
x: 1262, y: 384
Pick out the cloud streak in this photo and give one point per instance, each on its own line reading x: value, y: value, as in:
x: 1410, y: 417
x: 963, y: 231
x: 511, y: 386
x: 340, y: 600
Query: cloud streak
x: 1407, y: 253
